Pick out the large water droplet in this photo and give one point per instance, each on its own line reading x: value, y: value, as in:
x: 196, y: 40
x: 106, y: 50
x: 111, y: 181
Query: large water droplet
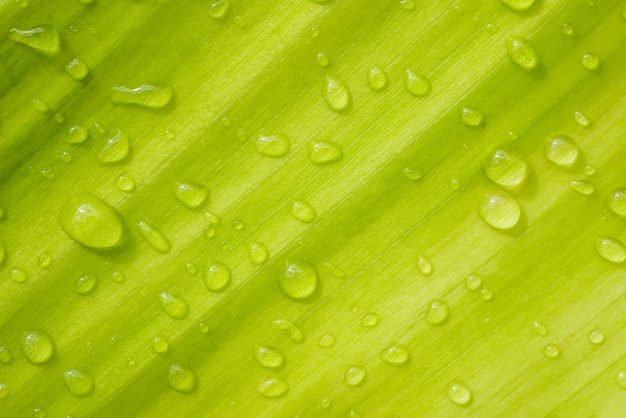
x: 437, y: 312
x: 219, y: 9
x: 155, y: 238
x: 37, y: 346
x: 258, y: 253
x: 562, y: 150
x: 44, y: 39
x: 152, y: 96
x: 519, y: 5
x: 269, y: 357
x: 303, y: 211
x: 181, y: 378
x: 500, y: 210
x: 298, y: 280
x: 417, y: 85
x: 191, y: 195
x: 77, y: 69
x: 354, y: 376
x: 91, y: 222
x: 617, y: 201
x: 116, y: 149
x: 79, y: 383
x: 273, y: 388
x: 336, y: 93
x: 377, y: 78
x: 395, y: 354
x: 522, y: 53
x: 295, y: 333
x: 217, y: 276
x: 275, y: 146
x: 506, y: 167
x: 459, y: 393
x: 611, y: 249
x: 174, y: 306
x: 86, y: 284
x: 325, y: 152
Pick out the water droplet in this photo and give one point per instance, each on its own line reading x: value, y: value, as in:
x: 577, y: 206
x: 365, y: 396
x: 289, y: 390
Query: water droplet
x: 620, y: 379
x: 116, y: 149
x: 486, y: 295
x: 274, y: 146
x: 269, y: 357
x: 18, y: 275
x: 407, y: 5
x: 160, y: 345
x: 567, y: 29
x: 437, y: 312
x: 219, y: 9
x: 181, y: 378
x: 424, y: 266
x: 39, y: 413
x: 238, y: 225
x: 471, y: 117
x: 147, y: 95
x: 459, y: 393
x: 217, y: 276
x: 191, y: 268
x: 5, y: 355
x: 3, y: 252
x: 377, y: 78
x: 354, y: 376
x: 298, y: 280
x: 65, y: 156
x: 47, y: 173
x: 174, y: 306
x: 77, y: 134
x: 336, y: 93
x: 327, y: 340
x: 155, y: 238
x: 540, y: 329
x: 551, y: 351
x: 473, y: 282
x: 562, y: 150
x: 417, y: 85
x: 323, y: 60
x: 37, y: 346
x: 617, y: 201
x: 506, y: 167
x: 295, y: 333
x: 611, y: 249
x: 191, y: 195
x: 412, y: 174
x: 325, y: 152
x: 522, y: 53
x: 86, y: 284
x: 581, y: 119
x: 44, y: 39
x: 596, y: 337
x: 258, y: 253
x: 117, y: 276
x: 500, y: 210
x: 5, y: 392
x: 79, y: 383
x: 303, y: 211
x: 209, y: 232
x: 370, y: 320
x: 395, y: 354
x: 125, y: 182
x: 77, y: 69
x: 273, y: 388
x: 582, y: 186
x: 589, y: 170
x: 518, y: 5
x: 590, y: 61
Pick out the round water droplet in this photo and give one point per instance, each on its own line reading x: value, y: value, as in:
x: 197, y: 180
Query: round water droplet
x: 5, y: 392
x: 396, y: 354
x: 596, y: 337
x: 160, y: 345
x: 116, y: 149
x: 354, y: 376
x: 336, y: 93
x: 471, y: 117
x: 219, y: 9
x: 322, y: 59
x: 269, y: 357
x: 424, y: 266
x: 562, y: 150
x: 500, y: 210
x: 522, y: 53
x: 518, y: 5
x: 258, y: 253
x: 37, y: 346
x: 303, y: 211
x: 611, y: 249
x: 377, y: 78
x: 155, y: 238
x: 125, y: 182
x: 620, y: 379
x: 540, y: 329
x: 117, y: 276
x: 582, y: 186
x: 506, y: 167
x: 370, y: 320
x: 5, y: 355
x: 217, y: 276
x: 191, y: 195
x: 274, y: 146
x: 91, y: 222
x: 298, y: 280
x: 412, y: 174
x: 77, y: 134
x: 18, y: 275
x: 151, y: 96
x: 174, y: 306
x: 181, y: 378
x: 44, y: 39
x: 567, y: 29
x: 295, y: 333
x: 437, y: 312
x: 77, y: 69
x: 486, y: 294
x: 79, y: 383
x: 417, y: 85
x: 551, y: 351
x: 203, y: 327
x: 581, y: 119
x: 327, y: 340
x: 617, y: 201
x: 325, y: 152
x: 590, y: 61
x: 86, y: 284
x: 273, y: 388
x: 191, y: 268
x: 473, y: 282
x: 459, y: 393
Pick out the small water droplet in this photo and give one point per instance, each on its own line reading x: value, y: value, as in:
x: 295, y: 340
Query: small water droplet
x: 303, y: 211
x: 155, y: 238
x: 37, y: 346
x: 44, y: 39
x: 217, y: 276
x: 581, y: 119
x: 219, y: 9
x: 424, y: 266
x: 437, y: 312
x: 209, y: 231
x: 191, y: 195
x: 325, y: 152
x: 258, y: 253
x: 327, y: 340
x: 174, y: 306
x: 125, y: 182
x: 471, y: 117
x: 473, y: 282
x: 41, y: 106
x: 273, y: 388
x: 611, y: 249
x: 238, y: 225
x: 203, y: 327
x: 269, y: 357
x: 336, y: 93
x: 486, y: 295
x: 567, y: 29
x: 116, y: 149
x: 407, y: 5
x: 160, y: 345
x: 79, y: 383
x: 147, y: 95
x: 377, y: 78
x: 18, y: 275
x: 459, y: 393
x: 590, y: 61
x: 617, y: 201
x: 354, y: 376
x: 39, y: 413
x: 620, y: 379
x: 506, y: 167
x: 5, y: 355
x: 5, y: 392
x: 47, y: 173
x: 395, y: 354
x: 412, y: 174
x: 595, y: 337
x: 518, y: 5
x: 298, y: 280
x: 117, y: 276
x: 416, y: 84
x: 500, y: 210
x: 181, y: 378
x: 86, y: 284
x: 65, y: 156
x: 562, y: 150
x: 274, y: 146
x: 540, y: 329
x: 370, y: 320
x: 295, y: 333
x: 77, y: 134
x: 551, y: 351
x: 582, y: 186
x: 191, y: 268
x: 522, y: 52
x: 77, y: 69
x: 322, y: 59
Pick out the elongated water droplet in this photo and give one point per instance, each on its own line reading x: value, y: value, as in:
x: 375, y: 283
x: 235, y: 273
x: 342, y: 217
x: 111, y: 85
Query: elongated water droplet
x: 181, y: 378
x: 5, y: 392
x: 219, y: 9
x: 581, y: 119
x: 155, y: 238
x: 518, y: 5
x: 540, y: 329
x: 273, y: 388
x: 275, y: 146
x: 191, y: 195
x: 147, y: 95
x: 79, y: 383
x: 522, y: 53
x: 77, y: 69
x: 377, y: 78
x: 424, y: 266
x: 437, y: 312
x: 417, y: 85
x: 562, y: 150
x: 303, y: 211
x: 125, y: 182
x: 86, y: 284
x: 370, y: 320
x: 258, y: 253
x: 44, y: 39
x: 217, y: 276
x: 160, y: 345
x: 459, y: 393
x: 44, y: 260
x: 500, y: 210
x: 325, y: 152
x: 116, y: 149
x: 354, y: 376
x: 595, y: 337
x: 269, y: 357
x: 611, y: 249
x: 174, y: 306
x: 551, y: 351
x: 395, y: 354
x: 590, y: 61
x: 473, y: 282
x: 298, y: 280
x: 506, y: 167
x: 91, y: 222
x: 617, y: 201
x: 5, y: 355
x: 412, y: 174
x: 582, y: 186
x: 326, y: 340
x: 37, y: 346
x: 295, y: 333
x: 77, y: 134
x: 336, y: 93
x: 471, y: 117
